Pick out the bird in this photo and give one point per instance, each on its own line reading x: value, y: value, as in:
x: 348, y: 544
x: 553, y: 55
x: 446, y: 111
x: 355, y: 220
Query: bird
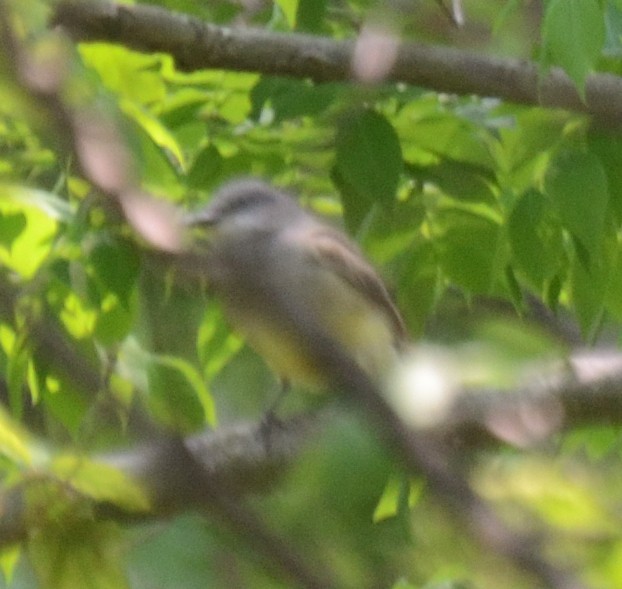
x: 273, y: 264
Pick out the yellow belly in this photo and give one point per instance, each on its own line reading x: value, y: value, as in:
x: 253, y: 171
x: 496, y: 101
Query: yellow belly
x: 360, y: 328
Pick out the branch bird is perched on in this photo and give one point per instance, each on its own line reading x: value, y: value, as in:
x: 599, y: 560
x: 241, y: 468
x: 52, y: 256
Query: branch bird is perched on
x: 274, y: 265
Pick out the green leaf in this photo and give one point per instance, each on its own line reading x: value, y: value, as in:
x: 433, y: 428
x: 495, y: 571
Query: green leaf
x: 577, y: 184
x: 310, y: 15
x: 156, y: 131
x: 46, y: 202
x: 573, y: 35
x: 469, y: 249
x: 83, y: 555
x: 369, y: 157
x: 216, y: 343
x: 613, y: 294
x: 399, y: 494
x: 11, y: 225
x: 417, y: 285
x: 356, y: 207
x: 116, y: 264
x: 114, y: 320
x: 178, y: 395
x: 608, y: 147
x: 597, y: 442
x: 100, y: 482
x: 289, y: 9
x: 290, y: 99
x: 61, y: 399
x: 589, y: 285
x: 9, y: 557
x: 13, y: 441
x: 525, y: 148
x: 32, y: 245
x: 535, y: 237
x: 132, y: 75
x: 206, y: 170
x: 443, y: 134
x: 78, y: 315
x: 17, y: 372
x: 463, y: 181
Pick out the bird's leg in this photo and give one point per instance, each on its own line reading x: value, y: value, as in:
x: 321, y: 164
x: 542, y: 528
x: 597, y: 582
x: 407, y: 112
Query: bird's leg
x: 270, y: 416
x: 270, y: 420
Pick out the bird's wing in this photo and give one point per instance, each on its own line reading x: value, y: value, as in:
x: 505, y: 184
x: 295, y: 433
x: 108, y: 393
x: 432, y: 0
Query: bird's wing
x: 331, y: 249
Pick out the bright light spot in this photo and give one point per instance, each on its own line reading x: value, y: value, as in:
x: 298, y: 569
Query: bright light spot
x: 424, y: 385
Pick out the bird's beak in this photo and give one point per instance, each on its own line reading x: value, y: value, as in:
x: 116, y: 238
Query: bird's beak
x: 203, y: 218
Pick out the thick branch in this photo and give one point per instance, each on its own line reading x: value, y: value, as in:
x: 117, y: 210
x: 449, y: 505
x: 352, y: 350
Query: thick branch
x: 208, y: 472
x: 586, y: 390
x: 235, y: 460
x: 197, y: 45
x: 246, y: 458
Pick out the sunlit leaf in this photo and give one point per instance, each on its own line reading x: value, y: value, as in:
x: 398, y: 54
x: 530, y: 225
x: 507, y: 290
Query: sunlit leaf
x: 399, y: 494
x: 216, y: 343
x: 444, y: 135
x: 9, y: 557
x: 100, y: 481
x: 178, y: 394
x: 13, y: 441
x: 114, y: 320
x: 84, y: 555
x: 134, y: 76
x: 63, y: 400
x: 78, y: 318
x: 29, y: 248
x: 566, y: 502
x: 158, y: 133
x: 289, y: 8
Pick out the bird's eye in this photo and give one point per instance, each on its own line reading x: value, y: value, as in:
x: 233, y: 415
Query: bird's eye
x: 246, y: 202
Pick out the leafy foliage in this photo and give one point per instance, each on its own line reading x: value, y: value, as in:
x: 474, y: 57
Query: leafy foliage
x: 458, y: 199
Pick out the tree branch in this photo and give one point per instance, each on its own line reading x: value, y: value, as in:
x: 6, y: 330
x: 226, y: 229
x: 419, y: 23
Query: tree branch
x: 223, y: 465
x: 197, y: 45
x: 242, y: 458
x: 208, y: 472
